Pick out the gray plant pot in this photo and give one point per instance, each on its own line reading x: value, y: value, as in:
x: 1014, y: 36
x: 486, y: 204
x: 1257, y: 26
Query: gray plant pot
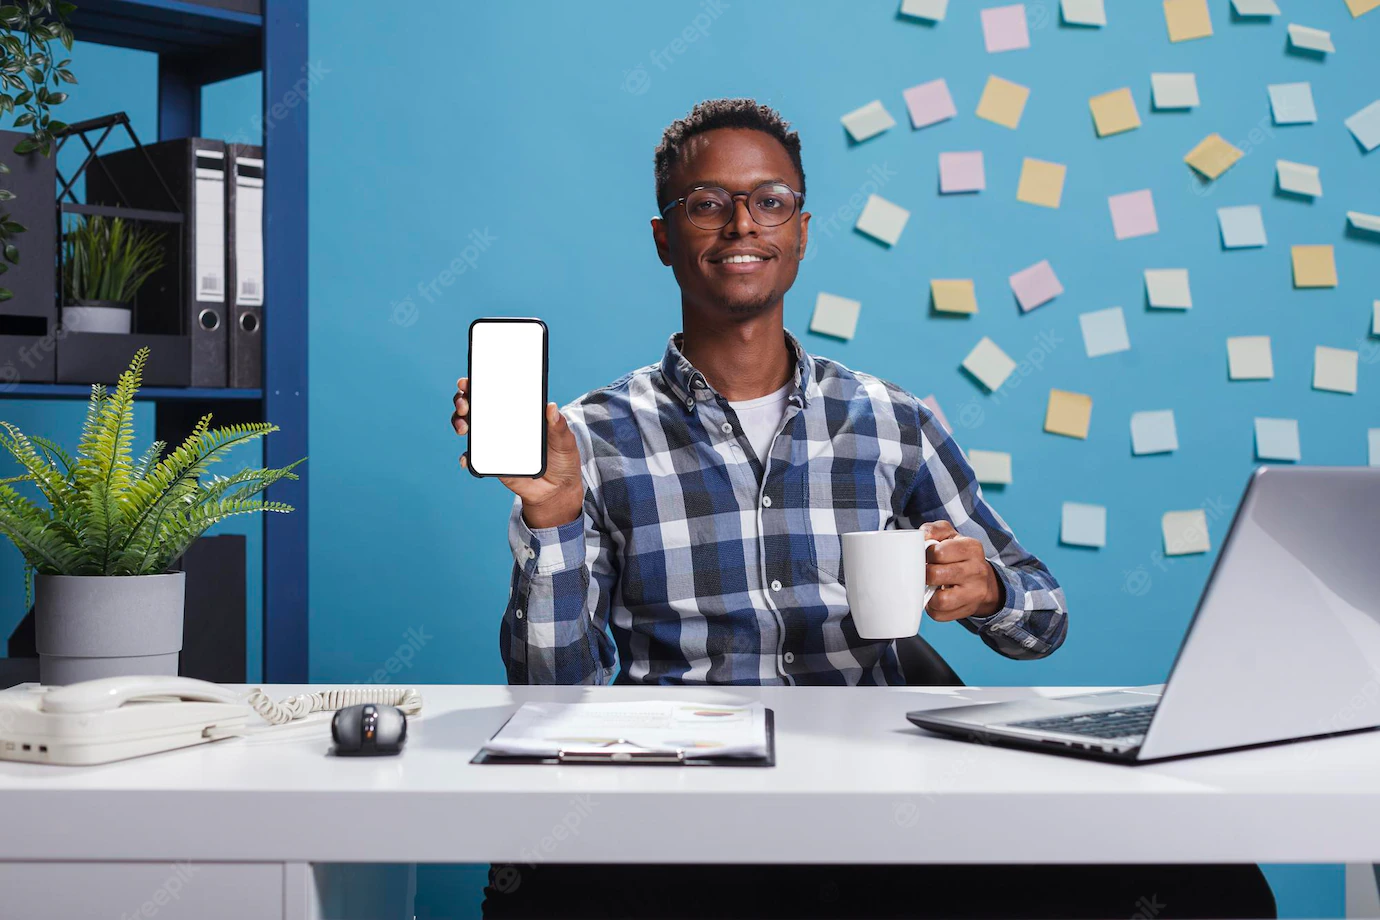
x: 90, y: 626
x: 97, y: 316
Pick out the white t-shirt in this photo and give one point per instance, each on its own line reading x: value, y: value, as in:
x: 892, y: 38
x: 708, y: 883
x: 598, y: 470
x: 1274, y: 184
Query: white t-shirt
x: 761, y: 417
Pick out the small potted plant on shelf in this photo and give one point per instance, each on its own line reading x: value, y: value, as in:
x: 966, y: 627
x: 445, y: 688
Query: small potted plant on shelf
x: 105, y: 261
x: 107, y: 601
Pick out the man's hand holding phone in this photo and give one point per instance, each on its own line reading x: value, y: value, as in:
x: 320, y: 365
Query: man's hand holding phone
x: 553, y: 499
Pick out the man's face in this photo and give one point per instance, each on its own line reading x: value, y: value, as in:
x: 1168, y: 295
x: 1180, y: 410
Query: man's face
x: 739, y: 160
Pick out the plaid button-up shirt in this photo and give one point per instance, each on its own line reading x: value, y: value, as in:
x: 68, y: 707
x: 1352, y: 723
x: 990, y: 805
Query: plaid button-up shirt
x: 693, y: 562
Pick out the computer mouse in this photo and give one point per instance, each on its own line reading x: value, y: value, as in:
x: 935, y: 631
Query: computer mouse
x: 368, y: 729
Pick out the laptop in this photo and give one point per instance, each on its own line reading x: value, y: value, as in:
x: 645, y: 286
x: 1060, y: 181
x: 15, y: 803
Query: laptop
x: 1284, y: 644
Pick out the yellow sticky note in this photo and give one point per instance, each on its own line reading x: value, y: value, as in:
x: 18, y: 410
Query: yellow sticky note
x: 1187, y: 19
x: 1042, y: 182
x: 1314, y: 267
x: 1213, y: 156
x: 1114, y: 112
x: 1003, y: 102
x: 1068, y: 413
x: 1358, y: 7
x: 954, y: 295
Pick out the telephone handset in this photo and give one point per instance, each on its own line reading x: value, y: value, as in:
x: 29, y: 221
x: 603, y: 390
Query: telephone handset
x: 114, y: 718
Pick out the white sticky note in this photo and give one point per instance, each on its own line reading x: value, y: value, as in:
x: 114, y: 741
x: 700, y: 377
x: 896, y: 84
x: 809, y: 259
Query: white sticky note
x: 883, y: 220
x: 1334, y: 369
x: 1365, y: 126
x: 868, y: 121
x: 1277, y: 439
x: 1083, y: 525
x: 1373, y: 436
x: 1104, y: 332
x: 1292, y: 103
x: 1310, y: 39
x: 1084, y: 12
x: 991, y: 467
x: 836, y: 316
x: 1368, y: 222
x: 1153, y: 432
x: 1185, y: 532
x: 1299, y: 178
x: 1255, y: 7
x: 933, y: 10
x: 1174, y: 90
x: 1242, y: 226
x: 1167, y: 288
x: 1375, y: 318
x: 1249, y: 358
x: 989, y: 364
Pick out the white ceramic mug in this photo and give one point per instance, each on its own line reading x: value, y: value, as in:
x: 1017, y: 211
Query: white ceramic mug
x: 884, y: 571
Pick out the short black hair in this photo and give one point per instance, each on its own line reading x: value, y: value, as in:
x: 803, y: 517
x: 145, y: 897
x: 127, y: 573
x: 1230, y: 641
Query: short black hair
x: 723, y: 113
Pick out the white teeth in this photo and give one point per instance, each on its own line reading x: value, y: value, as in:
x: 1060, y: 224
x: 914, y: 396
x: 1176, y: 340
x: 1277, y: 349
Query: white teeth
x: 736, y: 260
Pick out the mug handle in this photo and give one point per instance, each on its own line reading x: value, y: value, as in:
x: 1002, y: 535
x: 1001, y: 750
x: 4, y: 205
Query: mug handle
x: 929, y: 589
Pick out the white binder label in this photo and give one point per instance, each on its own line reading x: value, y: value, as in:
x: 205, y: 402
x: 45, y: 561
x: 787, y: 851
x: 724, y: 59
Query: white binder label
x: 249, y: 240
x: 210, y: 234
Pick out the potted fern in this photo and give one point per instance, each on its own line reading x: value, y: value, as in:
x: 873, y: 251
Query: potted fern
x: 107, y: 601
x: 104, y: 263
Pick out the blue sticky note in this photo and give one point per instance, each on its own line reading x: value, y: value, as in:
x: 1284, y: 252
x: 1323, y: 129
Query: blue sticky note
x: 1153, y: 432
x: 1276, y: 439
x: 1374, y: 459
x: 1292, y: 103
x: 1104, y: 332
x: 1083, y: 525
x: 1241, y: 226
x: 1365, y: 125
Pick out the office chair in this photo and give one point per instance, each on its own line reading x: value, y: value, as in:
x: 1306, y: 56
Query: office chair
x: 923, y: 666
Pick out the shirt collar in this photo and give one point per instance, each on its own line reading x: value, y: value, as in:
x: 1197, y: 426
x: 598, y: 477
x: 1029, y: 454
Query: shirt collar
x: 688, y: 385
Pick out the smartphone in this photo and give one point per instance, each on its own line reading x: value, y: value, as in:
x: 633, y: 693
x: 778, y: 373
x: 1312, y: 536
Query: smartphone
x: 507, y: 397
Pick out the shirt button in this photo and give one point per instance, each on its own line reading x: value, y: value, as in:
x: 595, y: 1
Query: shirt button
x: 531, y: 553
x: 690, y: 403
x: 518, y: 613
x: 776, y: 584
x: 789, y: 657
x: 726, y: 428
x: 766, y: 501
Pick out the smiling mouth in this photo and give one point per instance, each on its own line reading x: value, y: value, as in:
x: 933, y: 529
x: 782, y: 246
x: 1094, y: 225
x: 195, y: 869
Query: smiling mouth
x: 740, y: 260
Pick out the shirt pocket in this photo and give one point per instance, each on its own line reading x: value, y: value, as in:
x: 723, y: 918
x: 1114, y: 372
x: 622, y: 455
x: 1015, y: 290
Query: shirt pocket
x: 840, y: 504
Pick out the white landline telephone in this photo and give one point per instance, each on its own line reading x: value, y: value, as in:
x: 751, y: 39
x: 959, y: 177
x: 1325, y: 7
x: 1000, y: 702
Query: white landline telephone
x: 115, y: 718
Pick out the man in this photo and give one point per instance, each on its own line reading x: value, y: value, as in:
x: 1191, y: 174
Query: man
x: 686, y: 530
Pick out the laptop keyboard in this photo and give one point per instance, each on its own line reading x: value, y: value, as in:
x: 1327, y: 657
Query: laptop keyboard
x: 1112, y: 723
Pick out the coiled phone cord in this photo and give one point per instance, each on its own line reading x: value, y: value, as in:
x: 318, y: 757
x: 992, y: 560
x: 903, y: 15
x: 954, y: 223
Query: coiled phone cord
x: 304, y: 704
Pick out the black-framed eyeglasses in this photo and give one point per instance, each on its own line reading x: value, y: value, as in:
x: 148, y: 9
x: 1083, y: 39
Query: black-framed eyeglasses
x: 711, y: 208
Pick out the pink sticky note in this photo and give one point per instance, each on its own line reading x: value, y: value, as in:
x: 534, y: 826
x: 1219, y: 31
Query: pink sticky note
x: 1003, y: 28
x: 1133, y: 214
x: 1036, y: 285
x: 961, y: 171
x: 933, y: 405
x: 929, y: 103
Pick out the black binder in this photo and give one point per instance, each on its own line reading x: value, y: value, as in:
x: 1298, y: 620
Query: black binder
x: 244, y: 251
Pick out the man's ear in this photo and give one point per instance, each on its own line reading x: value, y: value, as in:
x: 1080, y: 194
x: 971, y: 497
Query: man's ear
x: 663, y: 245
x: 804, y: 234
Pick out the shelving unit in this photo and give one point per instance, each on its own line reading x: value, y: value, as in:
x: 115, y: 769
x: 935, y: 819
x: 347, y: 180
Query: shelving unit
x: 205, y: 42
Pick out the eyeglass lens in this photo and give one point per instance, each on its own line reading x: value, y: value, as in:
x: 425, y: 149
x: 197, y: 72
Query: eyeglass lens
x: 712, y: 208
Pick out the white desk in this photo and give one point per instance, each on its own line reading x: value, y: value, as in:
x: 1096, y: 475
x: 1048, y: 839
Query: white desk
x: 854, y: 782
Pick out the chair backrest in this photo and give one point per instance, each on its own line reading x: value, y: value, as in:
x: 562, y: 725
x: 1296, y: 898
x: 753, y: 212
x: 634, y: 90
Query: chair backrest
x: 923, y: 666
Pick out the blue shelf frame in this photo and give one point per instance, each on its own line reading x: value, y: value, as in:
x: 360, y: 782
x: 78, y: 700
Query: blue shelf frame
x: 199, y: 43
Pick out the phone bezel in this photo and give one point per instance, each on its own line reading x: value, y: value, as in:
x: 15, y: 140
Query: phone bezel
x: 469, y: 358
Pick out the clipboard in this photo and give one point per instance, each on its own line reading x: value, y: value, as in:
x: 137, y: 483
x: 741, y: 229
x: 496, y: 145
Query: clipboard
x: 651, y: 758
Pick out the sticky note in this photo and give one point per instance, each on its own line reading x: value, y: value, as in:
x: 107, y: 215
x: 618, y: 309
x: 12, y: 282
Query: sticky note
x: 882, y: 220
x: 1242, y: 226
x: 868, y: 121
x: 1249, y: 358
x: 1083, y: 525
x: 1133, y: 214
x: 1299, y: 178
x: 1174, y: 90
x: 1373, y: 455
x: 1114, y: 112
x: 933, y: 405
x: 1004, y: 29
x: 1334, y: 369
x: 1255, y: 7
x: 1359, y: 7
x: 1292, y: 103
x: 1367, y: 222
x: 1068, y: 413
x: 991, y: 467
x: 1003, y: 102
x: 1314, y: 267
x: 933, y: 10
x: 1104, y: 332
x: 953, y: 295
x: 1276, y: 439
x: 1041, y: 182
x: 1187, y: 19
x: 1153, y: 432
x: 1213, y: 156
x: 1167, y: 288
x: 1310, y: 39
x: 929, y: 103
x: 834, y: 315
x: 961, y: 171
x: 1364, y: 126
x: 1084, y: 12
x: 989, y: 364
x: 1035, y: 285
x: 1185, y: 532
x: 1375, y: 318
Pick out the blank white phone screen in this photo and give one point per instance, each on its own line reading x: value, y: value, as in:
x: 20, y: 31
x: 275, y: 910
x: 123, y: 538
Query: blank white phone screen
x: 507, y: 412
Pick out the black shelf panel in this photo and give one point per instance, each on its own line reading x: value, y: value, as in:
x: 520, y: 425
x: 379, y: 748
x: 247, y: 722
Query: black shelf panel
x: 158, y: 394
